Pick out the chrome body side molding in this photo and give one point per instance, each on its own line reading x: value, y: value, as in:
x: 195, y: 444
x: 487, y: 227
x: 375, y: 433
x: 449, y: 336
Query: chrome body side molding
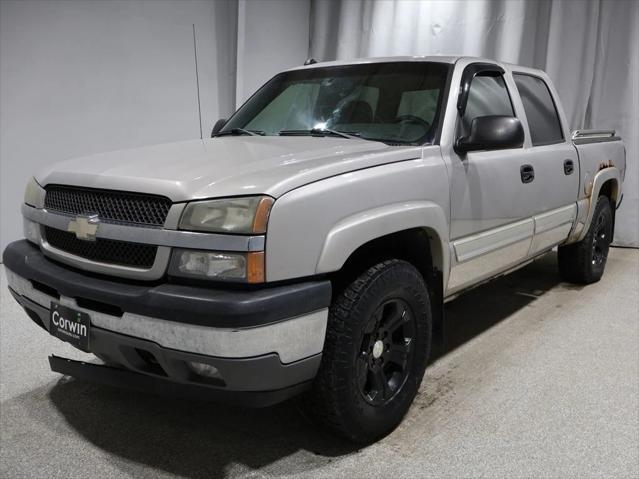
x: 483, y: 255
x: 479, y: 244
x: 552, y: 228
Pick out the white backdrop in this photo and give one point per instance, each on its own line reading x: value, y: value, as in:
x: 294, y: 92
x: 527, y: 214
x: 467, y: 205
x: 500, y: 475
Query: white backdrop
x: 272, y: 36
x: 589, y: 48
x: 79, y: 77
x: 82, y: 77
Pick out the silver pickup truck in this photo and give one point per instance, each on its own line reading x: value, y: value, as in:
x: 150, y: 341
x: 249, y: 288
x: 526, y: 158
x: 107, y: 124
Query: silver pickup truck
x: 310, y: 244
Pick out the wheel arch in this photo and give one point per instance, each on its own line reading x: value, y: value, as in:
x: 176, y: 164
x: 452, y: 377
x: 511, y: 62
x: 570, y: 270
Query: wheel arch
x: 397, y: 232
x: 610, y: 188
x: 606, y: 182
x: 414, y: 223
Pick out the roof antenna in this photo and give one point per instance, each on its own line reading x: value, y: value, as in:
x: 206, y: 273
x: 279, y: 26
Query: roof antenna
x: 197, y: 83
x: 310, y: 61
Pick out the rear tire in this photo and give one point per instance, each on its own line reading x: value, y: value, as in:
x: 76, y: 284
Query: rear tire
x: 377, y: 346
x: 584, y: 262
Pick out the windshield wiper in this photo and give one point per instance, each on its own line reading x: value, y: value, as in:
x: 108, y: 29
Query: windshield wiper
x: 239, y: 131
x: 319, y: 132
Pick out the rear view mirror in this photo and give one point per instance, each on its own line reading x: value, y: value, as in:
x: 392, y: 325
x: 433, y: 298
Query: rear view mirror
x: 219, y: 124
x: 494, y: 132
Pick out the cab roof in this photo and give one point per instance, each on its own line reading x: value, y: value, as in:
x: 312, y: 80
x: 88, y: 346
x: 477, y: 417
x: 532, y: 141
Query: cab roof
x: 449, y: 59
x: 361, y: 61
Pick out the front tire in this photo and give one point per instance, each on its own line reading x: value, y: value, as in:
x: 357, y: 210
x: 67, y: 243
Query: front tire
x: 377, y: 346
x: 584, y: 262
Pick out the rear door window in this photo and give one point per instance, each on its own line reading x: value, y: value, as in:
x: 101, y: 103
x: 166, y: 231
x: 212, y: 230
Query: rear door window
x: 543, y: 119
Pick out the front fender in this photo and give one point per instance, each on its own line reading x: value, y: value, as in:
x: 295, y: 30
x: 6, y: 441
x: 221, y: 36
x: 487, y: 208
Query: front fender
x: 313, y: 229
x: 354, y: 231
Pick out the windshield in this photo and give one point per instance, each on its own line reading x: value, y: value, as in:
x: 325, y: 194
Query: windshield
x: 397, y: 103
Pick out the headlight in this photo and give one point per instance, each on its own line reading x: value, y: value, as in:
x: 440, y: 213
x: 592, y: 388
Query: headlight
x: 218, y: 265
x: 230, y: 215
x: 34, y: 194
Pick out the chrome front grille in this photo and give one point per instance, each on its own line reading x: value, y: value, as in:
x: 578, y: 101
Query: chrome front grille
x: 114, y: 206
x: 102, y: 250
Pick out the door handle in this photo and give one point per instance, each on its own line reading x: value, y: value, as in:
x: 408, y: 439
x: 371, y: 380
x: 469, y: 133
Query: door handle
x: 527, y: 173
x: 569, y: 167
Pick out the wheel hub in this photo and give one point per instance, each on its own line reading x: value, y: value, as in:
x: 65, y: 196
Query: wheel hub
x: 386, y: 350
x: 600, y: 242
x: 378, y: 349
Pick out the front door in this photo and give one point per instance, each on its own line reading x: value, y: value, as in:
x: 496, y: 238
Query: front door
x: 492, y: 192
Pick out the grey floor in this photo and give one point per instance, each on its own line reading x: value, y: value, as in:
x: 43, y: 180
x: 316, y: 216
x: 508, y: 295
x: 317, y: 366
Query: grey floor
x: 532, y: 378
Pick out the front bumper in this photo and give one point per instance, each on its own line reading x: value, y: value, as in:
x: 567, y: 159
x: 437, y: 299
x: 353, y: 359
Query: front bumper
x: 123, y: 378
x: 264, y: 341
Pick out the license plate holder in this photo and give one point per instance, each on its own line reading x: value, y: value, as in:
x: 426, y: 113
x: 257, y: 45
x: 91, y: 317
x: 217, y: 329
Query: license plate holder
x: 70, y: 325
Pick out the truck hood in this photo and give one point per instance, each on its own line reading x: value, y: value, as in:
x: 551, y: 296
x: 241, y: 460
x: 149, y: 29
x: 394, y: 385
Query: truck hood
x: 226, y: 166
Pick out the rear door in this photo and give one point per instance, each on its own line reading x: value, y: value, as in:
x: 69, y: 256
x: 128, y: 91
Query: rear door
x: 550, y: 152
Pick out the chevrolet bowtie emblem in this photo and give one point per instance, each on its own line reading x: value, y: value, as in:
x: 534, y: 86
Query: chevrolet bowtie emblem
x: 85, y: 227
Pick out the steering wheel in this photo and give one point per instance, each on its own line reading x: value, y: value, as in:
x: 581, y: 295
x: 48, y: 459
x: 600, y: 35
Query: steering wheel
x: 412, y: 119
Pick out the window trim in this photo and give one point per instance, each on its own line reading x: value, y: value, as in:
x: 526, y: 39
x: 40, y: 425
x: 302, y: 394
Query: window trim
x: 441, y: 109
x: 468, y: 75
x: 464, y: 89
x: 510, y: 97
x: 554, y: 104
x: 438, y: 121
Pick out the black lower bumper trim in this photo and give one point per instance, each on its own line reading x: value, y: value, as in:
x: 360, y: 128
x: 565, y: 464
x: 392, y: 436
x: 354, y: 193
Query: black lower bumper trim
x: 122, y: 378
x: 148, y: 359
x: 220, y: 308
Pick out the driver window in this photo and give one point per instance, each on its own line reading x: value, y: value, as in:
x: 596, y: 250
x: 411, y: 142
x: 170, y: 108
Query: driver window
x: 419, y: 103
x: 358, y: 107
x: 290, y: 110
x: 488, y: 95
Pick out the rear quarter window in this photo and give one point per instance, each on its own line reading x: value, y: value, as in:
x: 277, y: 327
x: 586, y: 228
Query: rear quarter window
x: 543, y: 118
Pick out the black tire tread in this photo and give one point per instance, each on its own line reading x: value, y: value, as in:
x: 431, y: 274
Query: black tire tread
x: 574, y: 260
x: 322, y: 402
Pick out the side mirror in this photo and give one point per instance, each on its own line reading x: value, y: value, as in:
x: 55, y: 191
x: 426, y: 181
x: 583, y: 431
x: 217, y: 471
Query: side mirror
x: 219, y: 124
x: 493, y: 132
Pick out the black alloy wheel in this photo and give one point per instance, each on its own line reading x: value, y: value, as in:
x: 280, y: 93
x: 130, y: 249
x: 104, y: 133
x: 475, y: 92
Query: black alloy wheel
x: 376, y: 349
x: 386, y: 351
x: 584, y: 262
x: 600, y: 241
